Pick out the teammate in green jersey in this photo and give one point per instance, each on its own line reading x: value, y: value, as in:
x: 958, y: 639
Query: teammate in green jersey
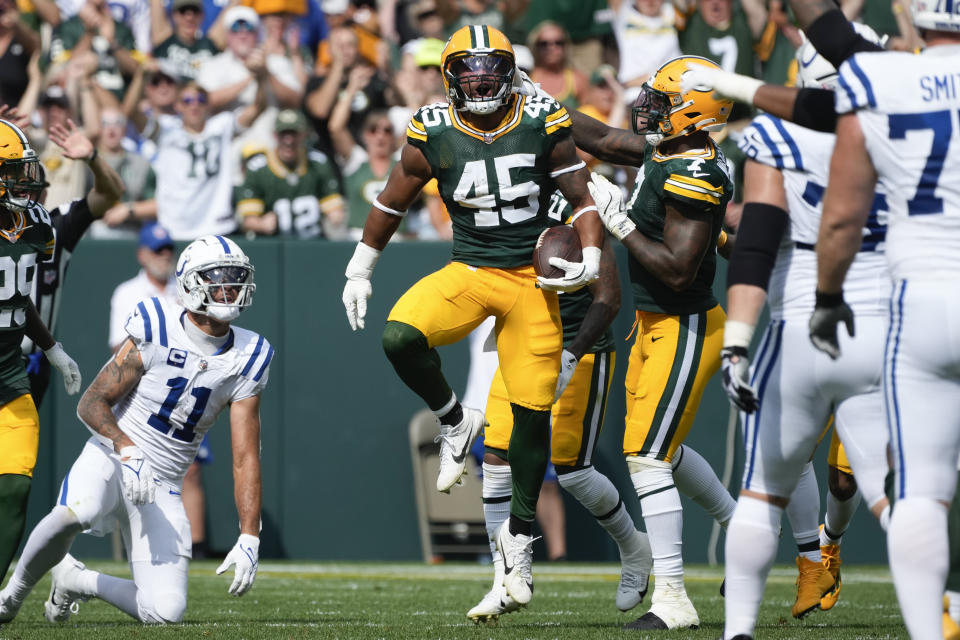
x: 497, y: 156
x: 26, y: 237
x: 671, y: 227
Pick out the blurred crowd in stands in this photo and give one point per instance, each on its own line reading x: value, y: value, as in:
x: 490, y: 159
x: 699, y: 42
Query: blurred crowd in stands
x: 284, y: 117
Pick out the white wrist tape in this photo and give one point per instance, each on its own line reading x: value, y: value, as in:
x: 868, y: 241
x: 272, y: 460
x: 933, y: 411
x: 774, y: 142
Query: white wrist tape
x: 362, y: 263
x: 735, y: 86
x: 386, y: 209
x: 582, y: 211
x: 737, y: 334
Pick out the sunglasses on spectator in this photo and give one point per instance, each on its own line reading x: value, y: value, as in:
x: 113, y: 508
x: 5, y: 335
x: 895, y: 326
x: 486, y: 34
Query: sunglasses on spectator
x: 242, y: 25
x: 159, y: 79
x: 190, y: 9
x: 197, y: 99
x: 543, y: 44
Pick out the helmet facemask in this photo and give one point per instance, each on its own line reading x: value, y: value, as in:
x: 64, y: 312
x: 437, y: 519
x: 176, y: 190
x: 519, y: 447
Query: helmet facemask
x: 480, y: 83
x: 220, y: 290
x: 654, y: 108
x: 21, y: 183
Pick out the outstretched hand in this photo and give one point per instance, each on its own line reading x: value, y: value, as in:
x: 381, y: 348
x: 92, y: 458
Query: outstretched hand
x: 14, y: 116
x: 75, y: 144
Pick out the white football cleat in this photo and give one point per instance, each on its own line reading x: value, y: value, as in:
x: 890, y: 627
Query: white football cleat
x: 8, y: 608
x: 670, y: 609
x: 65, y: 592
x: 495, y: 604
x: 517, y: 554
x: 455, y: 443
x: 635, y: 573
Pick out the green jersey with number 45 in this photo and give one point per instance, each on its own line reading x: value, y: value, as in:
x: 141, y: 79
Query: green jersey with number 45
x: 496, y: 184
x: 698, y: 183
x: 18, y: 268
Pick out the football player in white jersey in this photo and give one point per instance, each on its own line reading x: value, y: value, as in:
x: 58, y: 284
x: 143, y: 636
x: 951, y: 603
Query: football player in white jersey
x: 148, y: 410
x: 792, y: 389
x: 899, y: 125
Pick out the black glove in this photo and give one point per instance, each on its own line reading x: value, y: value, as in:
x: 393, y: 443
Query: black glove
x: 830, y: 311
x: 735, y: 365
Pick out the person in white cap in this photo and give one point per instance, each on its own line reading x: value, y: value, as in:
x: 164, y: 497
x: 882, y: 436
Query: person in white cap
x: 227, y: 78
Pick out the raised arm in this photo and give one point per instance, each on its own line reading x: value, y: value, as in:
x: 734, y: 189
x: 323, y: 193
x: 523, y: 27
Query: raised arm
x: 107, y: 184
x: 609, y: 144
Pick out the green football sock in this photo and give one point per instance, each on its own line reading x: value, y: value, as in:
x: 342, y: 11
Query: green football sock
x: 416, y: 363
x: 528, y: 453
x: 14, y: 491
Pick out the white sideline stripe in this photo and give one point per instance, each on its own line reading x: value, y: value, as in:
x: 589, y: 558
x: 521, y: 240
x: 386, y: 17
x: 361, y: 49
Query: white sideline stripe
x: 780, y: 574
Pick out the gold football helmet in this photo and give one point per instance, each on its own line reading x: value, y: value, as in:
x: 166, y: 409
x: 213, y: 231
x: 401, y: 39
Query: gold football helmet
x: 478, y: 68
x: 21, y: 180
x: 665, y: 112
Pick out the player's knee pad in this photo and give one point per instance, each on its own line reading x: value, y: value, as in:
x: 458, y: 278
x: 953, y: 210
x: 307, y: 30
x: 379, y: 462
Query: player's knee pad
x: 649, y: 476
x: 161, y: 607
x: 591, y: 489
x: 402, y: 340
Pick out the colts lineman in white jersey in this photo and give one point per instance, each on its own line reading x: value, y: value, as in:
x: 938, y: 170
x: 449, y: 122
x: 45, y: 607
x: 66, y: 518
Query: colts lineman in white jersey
x: 793, y: 388
x: 149, y: 408
x: 899, y: 123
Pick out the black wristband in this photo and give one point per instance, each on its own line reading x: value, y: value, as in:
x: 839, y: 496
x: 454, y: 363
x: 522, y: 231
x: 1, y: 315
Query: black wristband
x: 829, y: 300
x: 93, y: 156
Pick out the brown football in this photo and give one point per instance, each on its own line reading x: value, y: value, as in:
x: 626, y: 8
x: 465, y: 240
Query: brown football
x: 561, y: 241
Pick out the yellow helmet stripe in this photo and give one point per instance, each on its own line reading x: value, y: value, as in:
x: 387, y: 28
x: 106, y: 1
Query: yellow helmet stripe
x: 16, y: 130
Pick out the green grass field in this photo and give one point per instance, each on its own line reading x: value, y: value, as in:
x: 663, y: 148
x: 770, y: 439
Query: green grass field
x: 412, y: 601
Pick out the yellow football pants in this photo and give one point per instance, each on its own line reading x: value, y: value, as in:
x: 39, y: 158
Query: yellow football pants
x: 577, y: 416
x: 19, y: 436
x: 448, y: 304
x: 671, y: 362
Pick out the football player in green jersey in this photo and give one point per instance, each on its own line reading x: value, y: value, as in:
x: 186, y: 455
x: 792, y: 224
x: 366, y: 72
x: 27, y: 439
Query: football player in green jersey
x: 671, y: 227
x: 291, y: 192
x: 587, y: 364
x: 26, y: 237
x: 497, y: 157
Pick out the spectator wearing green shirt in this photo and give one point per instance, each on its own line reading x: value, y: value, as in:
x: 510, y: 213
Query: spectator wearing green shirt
x: 94, y: 32
x: 722, y: 32
x: 181, y: 45
x: 288, y: 191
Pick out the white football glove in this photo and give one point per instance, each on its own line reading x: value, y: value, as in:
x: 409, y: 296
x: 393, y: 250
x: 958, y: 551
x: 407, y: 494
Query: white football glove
x: 576, y: 274
x: 66, y: 366
x: 136, y: 475
x: 609, y: 201
x: 246, y: 555
x: 523, y: 85
x: 568, y: 364
x: 724, y: 84
x: 735, y: 366
x: 358, y: 288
